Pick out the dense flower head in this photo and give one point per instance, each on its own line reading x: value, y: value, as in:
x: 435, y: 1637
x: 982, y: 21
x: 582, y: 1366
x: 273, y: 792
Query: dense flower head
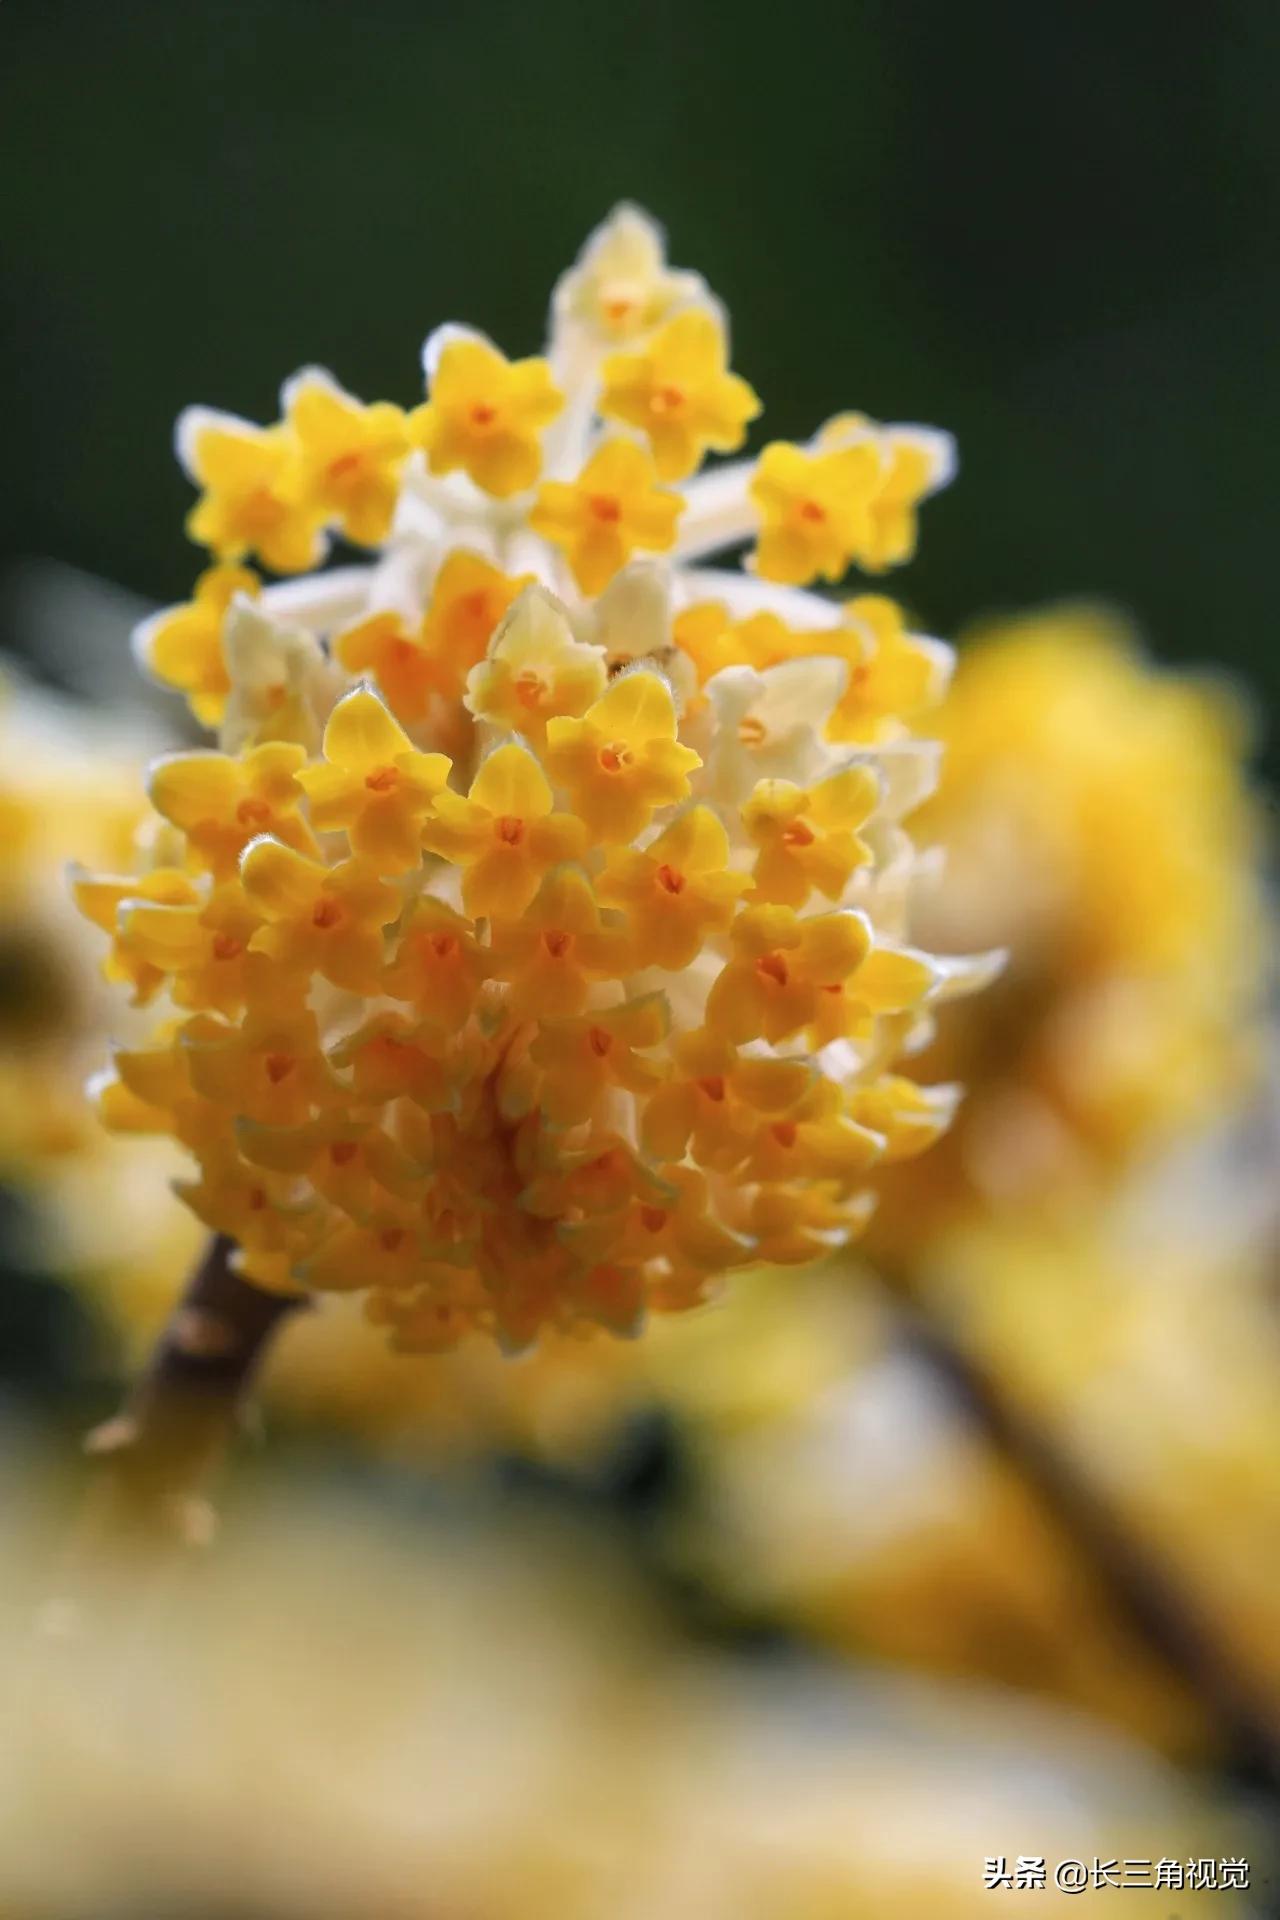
x: 530, y: 950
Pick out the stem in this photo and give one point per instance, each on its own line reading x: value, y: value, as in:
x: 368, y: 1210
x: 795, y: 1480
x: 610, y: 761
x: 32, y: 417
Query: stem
x: 1141, y: 1588
x: 166, y: 1444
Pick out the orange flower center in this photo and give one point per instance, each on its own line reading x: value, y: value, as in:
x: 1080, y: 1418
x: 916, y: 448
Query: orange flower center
x: 810, y: 510
x: 326, y: 913
x: 343, y: 1152
x: 509, y: 830
x: 278, y: 1067
x: 652, y: 1219
x: 606, y: 508
x: 751, y: 730
x: 773, y: 966
x: 557, y: 944
x: 443, y: 945
x: 382, y: 779
x: 667, y: 399
x: 785, y: 1133
x: 257, y: 1200
x: 227, y: 947
x: 253, y: 813
x: 530, y: 689
x: 482, y: 414
x: 797, y: 834
x: 712, y: 1084
x: 617, y: 307
x: 345, y: 466
x: 390, y: 1239
x: 615, y: 756
x: 600, y: 1044
x: 669, y: 880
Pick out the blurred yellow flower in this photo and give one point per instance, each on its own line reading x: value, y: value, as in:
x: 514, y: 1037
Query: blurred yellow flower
x: 1096, y: 823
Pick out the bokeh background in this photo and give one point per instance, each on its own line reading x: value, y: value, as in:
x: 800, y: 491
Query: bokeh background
x: 1049, y: 229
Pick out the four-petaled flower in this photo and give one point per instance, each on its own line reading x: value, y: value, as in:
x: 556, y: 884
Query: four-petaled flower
x: 535, y: 670
x: 319, y: 919
x: 622, y: 760
x: 373, y: 783
x: 505, y: 834
x: 678, y: 390
x: 781, y: 969
x: 349, y: 455
x: 815, y: 509
x: 808, y: 836
x: 182, y: 647
x: 676, y: 892
x: 485, y: 414
x: 611, y: 510
x: 222, y: 802
x: 253, y: 500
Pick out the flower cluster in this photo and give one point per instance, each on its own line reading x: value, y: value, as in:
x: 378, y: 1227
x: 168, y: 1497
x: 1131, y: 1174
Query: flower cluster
x: 531, y: 949
x: 1095, y: 821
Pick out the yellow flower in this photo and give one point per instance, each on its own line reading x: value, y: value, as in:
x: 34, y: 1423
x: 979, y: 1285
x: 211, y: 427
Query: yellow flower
x: 349, y: 456
x: 579, y: 1057
x: 266, y: 1215
x: 221, y: 802
x: 202, y: 950
x: 251, y: 499
x: 807, y: 836
x: 622, y: 760
x: 406, y: 673
x: 716, y: 1101
x: 373, y: 783
x: 558, y: 947
x: 611, y: 510
x: 894, y: 676
x: 469, y: 600
x: 347, y: 1159
x: 438, y: 965
x: 713, y: 640
x: 782, y: 967
x: 534, y: 670
x: 100, y: 898
x: 622, y: 286
x: 485, y: 414
x: 271, y: 1068
x: 326, y: 920
x: 1095, y: 821
x: 815, y: 509
x: 915, y: 463
x: 393, y: 1058
x: 677, y: 892
x: 414, y: 669
x: 680, y: 393
x: 474, y: 797
x: 505, y: 834
x: 182, y: 647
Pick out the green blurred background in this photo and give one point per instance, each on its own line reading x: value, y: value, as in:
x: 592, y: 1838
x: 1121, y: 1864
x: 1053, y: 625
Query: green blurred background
x: 1050, y: 228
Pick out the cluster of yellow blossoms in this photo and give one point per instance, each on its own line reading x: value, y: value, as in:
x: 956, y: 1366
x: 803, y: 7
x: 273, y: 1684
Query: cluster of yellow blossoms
x: 531, y: 951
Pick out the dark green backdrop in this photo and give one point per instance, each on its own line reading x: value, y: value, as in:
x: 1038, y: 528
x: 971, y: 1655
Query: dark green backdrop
x: 1049, y: 226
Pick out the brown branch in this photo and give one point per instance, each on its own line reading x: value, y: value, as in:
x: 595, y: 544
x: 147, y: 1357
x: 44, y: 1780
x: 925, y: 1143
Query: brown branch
x: 164, y: 1447
x: 1145, y: 1594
